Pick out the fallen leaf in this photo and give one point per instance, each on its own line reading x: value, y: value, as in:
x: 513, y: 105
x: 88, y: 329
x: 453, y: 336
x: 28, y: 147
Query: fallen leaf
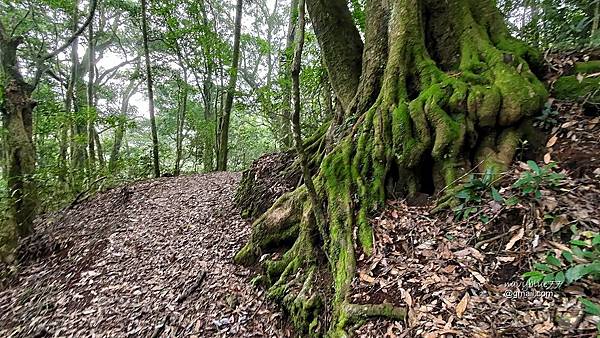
x: 552, y: 141
x: 514, y: 239
x: 365, y: 277
x: 547, y: 158
x: 470, y: 252
x: 558, y: 222
x: 462, y: 305
x: 407, y: 298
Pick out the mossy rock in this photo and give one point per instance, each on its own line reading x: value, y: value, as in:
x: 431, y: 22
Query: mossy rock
x: 570, y: 88
x: 587, y: 67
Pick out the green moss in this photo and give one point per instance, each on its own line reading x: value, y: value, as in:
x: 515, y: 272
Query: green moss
x: 458, y: 102
x: 569, y: 88
x: 490, y: 105
x: 588, y: 67
x: 365, y: 232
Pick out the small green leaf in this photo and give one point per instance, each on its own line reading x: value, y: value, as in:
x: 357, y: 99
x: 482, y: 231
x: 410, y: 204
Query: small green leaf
x: 532, y: 274
x: 548, y: 278
x: 550, y: 259
x: 590, y: 307
x: 575, y: 273
x: 560, y: 277
x: 578, y: 243
x: 542, y: 267
x: 496, y: 195
x: 533, y: 166
x: 568, y: 256
x: 512, y: 201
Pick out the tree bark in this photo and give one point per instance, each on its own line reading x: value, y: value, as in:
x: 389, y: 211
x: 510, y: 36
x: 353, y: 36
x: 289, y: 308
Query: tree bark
x: 155, y: 158
x: 233, y: 74
x: 209, y: 139
x: 340, y: 44
x: 441, y: 88
x: 17, y: 110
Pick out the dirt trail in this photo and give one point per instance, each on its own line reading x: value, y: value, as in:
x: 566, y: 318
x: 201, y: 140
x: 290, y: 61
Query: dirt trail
x: 125, y: 257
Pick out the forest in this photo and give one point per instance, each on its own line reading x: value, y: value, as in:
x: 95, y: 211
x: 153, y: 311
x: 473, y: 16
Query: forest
x: 300, y: 168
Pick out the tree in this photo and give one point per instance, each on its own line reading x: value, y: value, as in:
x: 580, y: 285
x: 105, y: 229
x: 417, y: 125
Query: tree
x: 233, y: 74
x: 150, y: 91
x: 437, y: 88
x: 17, y: 113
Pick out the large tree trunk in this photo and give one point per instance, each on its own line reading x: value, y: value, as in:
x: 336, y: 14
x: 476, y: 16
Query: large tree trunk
x: 17, y: 109
x: 17, y: 119
x: 448, y: 90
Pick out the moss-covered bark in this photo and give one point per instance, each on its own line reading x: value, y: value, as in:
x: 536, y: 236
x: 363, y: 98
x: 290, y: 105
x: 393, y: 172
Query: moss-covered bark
x: 428, y: 124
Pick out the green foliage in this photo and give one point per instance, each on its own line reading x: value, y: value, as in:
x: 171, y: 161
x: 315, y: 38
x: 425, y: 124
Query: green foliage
x: 557, y: 24
x: 480, y: 188
x: 548, y: 118
x: 531, y: 181
x: 580, y: 261
x: 474, y: 191
x: 358, y: 13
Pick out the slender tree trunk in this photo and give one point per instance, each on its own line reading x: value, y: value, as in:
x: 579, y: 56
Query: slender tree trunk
x: 99, y: 150
x: 180, y: 125
x: 296, y: 127
x: 207, y: 88
x: 150, y: 91
x: 75, y: 106
x: 90, y: 101
x: 285, y: 66
x: 233, y: 74
x: 181, y: 111
x: 122, y: 121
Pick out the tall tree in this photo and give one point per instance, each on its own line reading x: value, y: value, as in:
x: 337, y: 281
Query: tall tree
x: 233, y: 74
x: 437, y: 88
x: 285, y: 74
x: 17, y: 113
x: 296, y: 127
x: 149, y: 84
x: 91, y: 111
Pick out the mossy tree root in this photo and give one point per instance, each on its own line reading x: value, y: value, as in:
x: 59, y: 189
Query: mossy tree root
x: 426, y: 128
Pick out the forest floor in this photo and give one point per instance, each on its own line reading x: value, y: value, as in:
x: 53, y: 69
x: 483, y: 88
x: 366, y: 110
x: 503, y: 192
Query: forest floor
x: 136, y: 260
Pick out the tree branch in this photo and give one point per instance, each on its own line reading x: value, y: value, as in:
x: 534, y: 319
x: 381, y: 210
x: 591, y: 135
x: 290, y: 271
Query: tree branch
x: 20, y: 22
x: 77, y: 33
